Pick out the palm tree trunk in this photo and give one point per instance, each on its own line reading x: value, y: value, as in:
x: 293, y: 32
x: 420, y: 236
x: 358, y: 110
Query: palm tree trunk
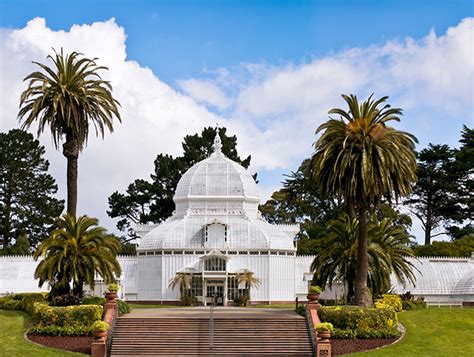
x: 350, y: 209
x: 362, y: 296
x: 71, y: 152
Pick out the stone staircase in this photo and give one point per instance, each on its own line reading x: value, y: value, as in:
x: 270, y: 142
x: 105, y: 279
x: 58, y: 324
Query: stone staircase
x: 190, y: 337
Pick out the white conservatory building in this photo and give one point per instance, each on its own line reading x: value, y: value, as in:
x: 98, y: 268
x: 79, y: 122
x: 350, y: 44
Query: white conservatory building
x: 216, y: 232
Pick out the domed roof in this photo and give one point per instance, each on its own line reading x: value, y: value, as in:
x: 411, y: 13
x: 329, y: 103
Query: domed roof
x: 217, y: 176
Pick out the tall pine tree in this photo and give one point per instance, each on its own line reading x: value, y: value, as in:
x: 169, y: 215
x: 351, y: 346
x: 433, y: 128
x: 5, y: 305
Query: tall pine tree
x: 27, y: 203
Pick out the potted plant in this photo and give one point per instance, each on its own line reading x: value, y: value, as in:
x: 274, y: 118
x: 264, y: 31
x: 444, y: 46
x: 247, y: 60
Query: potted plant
x: 313, y: 292
x: 112, y: 293
x: 324, y: 329
x: 99, y: 329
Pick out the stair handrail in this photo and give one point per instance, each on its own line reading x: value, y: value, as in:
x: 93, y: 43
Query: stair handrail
x: 211, y: 325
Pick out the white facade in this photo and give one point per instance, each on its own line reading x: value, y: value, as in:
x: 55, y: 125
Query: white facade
x: 215, y: 233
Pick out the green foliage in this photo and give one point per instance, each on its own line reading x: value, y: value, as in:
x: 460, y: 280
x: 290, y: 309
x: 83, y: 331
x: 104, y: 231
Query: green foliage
x: 314, y: 289
x: 75, y: 251
x: 249, y: 280
x: 68, y: 98
x: 27, y: 203
x: 55, y: 330
x: 387, y: 253
x: 51, y: 320
x: 124, y: 308
x: 343, y: 334
x: 409, y: 302
x: 85, y: 315
x: 461, y: 247
x: 299, y: 201
x: 22, y: 302
x: 362, y: 160
x: 300, y: 310
x: 113, y: 288
x: 152, y: 201
x: 324, y: 326
x: 13, y: 342
x: 242, y: 300
x: 363, y: 322
x: 389, y: 300
x: 188, y: 300
x: 100, y: 326
x: 93, y: 300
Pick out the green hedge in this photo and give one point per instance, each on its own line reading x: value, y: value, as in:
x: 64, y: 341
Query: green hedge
x: 51, y: 320
x: 81, y: 315
x: 123, y: 307
x: 357, y: 322
x: 54, y: 330
x: 390, y: 300
x: 93, y: 300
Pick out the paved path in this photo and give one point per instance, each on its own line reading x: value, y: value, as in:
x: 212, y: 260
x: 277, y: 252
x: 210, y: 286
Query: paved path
x: 223, y: 312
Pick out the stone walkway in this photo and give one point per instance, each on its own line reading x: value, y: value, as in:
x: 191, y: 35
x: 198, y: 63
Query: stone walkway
x: 219, y: 312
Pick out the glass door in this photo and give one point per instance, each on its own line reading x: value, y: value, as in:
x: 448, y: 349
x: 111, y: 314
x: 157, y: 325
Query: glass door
x: 215, y: 290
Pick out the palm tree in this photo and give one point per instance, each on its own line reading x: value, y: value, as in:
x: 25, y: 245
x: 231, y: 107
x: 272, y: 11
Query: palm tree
x: 361, y: 159
x: 68, y: 98
x: 387, y: 253
x: 184, y: 280
x: 74, y: 252
x: 247, y: 278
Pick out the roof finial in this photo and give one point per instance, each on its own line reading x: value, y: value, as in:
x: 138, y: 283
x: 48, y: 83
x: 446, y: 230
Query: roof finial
x: 217, y: 141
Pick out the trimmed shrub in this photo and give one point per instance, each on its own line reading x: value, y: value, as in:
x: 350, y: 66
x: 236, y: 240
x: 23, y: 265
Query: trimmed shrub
x: 361, y: 322
x: 54, y: 330
x: 93, y: 300
x: 314, y: 289
x: 123, y: 307
x: 22, y: 302
x: 189, y: 300
x: 85, y: 315
x: 301, y: 310
x: 409, y: 302
x: 324, y: 326
x: 100, y: 326
x: 389, y: 300
x: 242, y: 300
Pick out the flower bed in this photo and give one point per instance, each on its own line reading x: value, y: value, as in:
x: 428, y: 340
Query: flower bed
x: 365, y: 323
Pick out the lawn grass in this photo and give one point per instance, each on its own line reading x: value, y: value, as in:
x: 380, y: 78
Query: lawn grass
x: 13, y: 343
x: 433, y: 332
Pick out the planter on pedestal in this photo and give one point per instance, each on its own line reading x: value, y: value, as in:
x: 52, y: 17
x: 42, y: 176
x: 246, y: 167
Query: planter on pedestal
x: 110, y: 296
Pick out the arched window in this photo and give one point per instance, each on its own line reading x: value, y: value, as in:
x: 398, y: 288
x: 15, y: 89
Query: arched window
x: 215, y: 235
x: 215, y: 264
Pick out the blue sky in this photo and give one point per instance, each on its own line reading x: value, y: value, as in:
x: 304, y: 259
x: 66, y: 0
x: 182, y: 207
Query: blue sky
x: 267, y: 70
x: 179, y: 39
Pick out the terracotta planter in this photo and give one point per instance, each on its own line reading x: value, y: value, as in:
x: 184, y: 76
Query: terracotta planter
x: 99, y: 335
x: 324, y: 335
x: 312, y: 297
x: 110, y: 296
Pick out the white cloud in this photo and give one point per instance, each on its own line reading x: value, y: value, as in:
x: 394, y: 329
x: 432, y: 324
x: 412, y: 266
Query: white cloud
x: 205, y: 92
x: 155, y: 116
x: 273, y: 110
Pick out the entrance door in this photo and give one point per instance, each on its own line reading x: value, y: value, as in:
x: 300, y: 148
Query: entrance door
x: 215, y: 290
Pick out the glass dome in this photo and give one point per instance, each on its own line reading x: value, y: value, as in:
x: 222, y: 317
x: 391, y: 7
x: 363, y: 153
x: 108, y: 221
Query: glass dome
x: 214, y: 183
